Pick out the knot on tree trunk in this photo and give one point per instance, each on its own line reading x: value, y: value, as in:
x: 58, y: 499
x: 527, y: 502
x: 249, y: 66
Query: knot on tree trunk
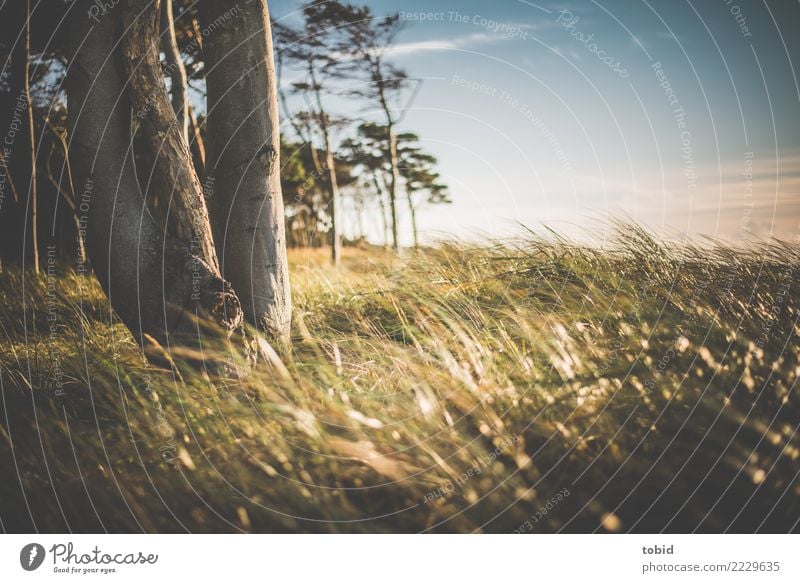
x: 214, y: 297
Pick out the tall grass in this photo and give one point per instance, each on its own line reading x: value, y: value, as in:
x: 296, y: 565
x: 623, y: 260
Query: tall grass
x: 532, y: 386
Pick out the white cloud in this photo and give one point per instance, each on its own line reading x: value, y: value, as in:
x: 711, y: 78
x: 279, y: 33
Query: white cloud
x: 465, y: 41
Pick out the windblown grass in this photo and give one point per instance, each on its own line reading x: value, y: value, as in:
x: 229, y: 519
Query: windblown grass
x: 537, y: 386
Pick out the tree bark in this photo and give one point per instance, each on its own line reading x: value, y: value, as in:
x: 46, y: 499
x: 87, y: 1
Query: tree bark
x: 243, y: 144
x: 412, y: 210
x: 384, y: 220
x: 393, y: 159
x: 330, y: 169
x: 174, y: 179
x: 22, y: 153
x: 197, y: 146
x: 33, y: 202
x: 153, y: 281
x: 175, y: 68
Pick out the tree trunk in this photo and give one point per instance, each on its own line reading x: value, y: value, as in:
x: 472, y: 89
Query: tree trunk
x: 69, y: 197
x: 19, y: 220
x: 175, y: 68
x: 395, y: 175
x: 393, y: 160
x: 384, y: 220
x: 244, y: 160
x: 152, y: 280
x: 413, y: 213
x: 330, y: 169
x: 333, y: 192
x: 197, y: 146
x: 174, y: 179
x: 33, y: 202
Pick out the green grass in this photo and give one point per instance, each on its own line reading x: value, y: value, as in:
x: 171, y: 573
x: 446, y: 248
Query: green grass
x: 536, y: 385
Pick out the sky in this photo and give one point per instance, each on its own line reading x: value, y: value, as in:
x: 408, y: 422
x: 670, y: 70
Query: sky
x: 682, y: 115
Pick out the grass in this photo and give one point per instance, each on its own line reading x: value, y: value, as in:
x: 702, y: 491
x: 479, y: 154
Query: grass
x: 533, y: 386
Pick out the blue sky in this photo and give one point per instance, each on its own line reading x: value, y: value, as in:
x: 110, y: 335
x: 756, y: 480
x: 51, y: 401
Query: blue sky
x: 682, y: 115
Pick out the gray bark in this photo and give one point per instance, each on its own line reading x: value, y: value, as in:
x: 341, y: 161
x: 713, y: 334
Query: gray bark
x: 243, y: 158
x: 393, y: 159
x: 174, y: 179
x: 413, y: 213
x: 152, y: 280
x: 330, y: 168
x: 33, y: 199
x: 384, y: 220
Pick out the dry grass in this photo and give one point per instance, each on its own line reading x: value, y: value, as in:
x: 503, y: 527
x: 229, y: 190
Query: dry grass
x: 536, y: 385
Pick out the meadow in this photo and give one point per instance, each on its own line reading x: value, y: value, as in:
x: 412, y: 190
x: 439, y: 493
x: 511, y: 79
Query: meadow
x: 533, y: 385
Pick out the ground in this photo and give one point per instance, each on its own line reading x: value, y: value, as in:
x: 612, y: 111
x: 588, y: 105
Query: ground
x: 531, y: 386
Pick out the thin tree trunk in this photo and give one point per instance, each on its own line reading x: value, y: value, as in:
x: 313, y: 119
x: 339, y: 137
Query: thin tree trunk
x: 330, y: 167
x: 393, y: 161
x: 395, y: 178
x: 68, y: 197
x: 174, y: 178
x: 333, y: 189
x: 384, y: 220
x: 413, y: 213
x: 196, y: 143
x: 244, y: 160
x: 197, y: 146
x: 27, y: 149
x: 175, y: 68
x: 153, y: 281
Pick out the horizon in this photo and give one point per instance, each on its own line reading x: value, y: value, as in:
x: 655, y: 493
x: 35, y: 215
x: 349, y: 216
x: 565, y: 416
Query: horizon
x: 680, y: 118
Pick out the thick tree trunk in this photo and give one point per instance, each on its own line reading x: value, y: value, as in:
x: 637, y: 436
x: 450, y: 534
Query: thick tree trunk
x: 244, y: 160
x: 152, y: 280
x: 19, y: 222
x: 174, y: 179
x: 175, y: 68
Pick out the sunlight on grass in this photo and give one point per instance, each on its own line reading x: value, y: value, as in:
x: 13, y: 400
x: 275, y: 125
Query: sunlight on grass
x: 458, y: 388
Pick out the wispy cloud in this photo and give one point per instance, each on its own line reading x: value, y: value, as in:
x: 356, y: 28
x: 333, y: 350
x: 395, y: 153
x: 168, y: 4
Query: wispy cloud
x: 466, y: 41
